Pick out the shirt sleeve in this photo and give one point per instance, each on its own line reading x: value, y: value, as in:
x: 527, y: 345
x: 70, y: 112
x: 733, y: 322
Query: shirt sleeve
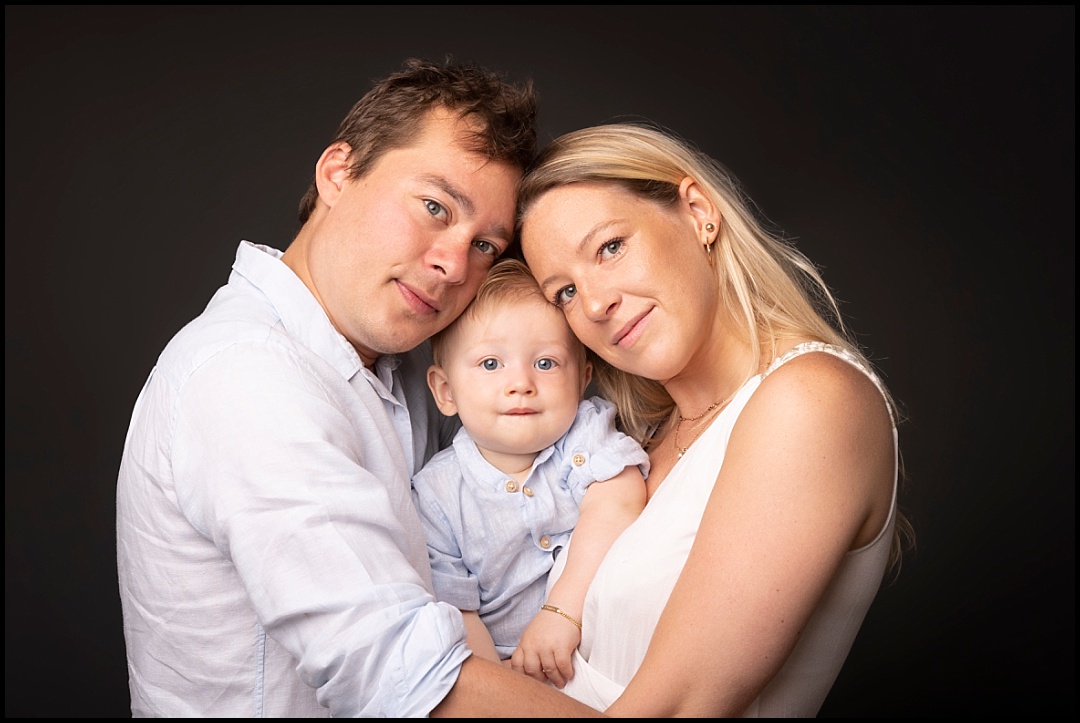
x: 454, y: 583
x: 270, y: 467
x: 594, y: 450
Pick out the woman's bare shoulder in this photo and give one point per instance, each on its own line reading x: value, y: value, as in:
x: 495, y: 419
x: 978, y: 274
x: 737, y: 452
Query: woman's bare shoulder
x: 823, y: 385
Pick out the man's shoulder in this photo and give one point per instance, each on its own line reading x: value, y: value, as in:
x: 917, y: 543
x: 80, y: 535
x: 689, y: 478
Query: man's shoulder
x: 235, y: 322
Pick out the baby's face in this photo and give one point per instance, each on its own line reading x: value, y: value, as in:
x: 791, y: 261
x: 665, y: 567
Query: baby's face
x: 515, y: 376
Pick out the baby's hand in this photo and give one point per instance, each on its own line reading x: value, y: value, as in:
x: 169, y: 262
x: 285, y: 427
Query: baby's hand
x: 545, y: 649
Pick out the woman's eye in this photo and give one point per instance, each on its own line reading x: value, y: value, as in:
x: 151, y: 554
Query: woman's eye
x: 490, y: 364
x: 564, y: 295
x: 546, y: 364
x: 434, y: 208
x: 611, y: 247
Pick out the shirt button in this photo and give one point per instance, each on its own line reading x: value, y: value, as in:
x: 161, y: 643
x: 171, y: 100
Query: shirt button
x: 545, y: 542
x: 579, y: 459
x: 527, y: 490
x: 511, y: 485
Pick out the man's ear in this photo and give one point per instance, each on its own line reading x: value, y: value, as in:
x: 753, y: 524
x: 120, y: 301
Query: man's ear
x: 705, y: 214
x: 332, y: 171
x: 440, y: 390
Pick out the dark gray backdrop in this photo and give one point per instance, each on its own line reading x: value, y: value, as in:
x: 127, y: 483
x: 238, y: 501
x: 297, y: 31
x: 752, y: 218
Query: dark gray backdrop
x: 923, y: 157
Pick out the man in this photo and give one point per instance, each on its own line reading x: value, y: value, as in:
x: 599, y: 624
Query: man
x: 270, y: 560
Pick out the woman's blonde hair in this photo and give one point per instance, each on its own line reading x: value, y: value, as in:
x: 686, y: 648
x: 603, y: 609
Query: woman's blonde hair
x: 770, y: 289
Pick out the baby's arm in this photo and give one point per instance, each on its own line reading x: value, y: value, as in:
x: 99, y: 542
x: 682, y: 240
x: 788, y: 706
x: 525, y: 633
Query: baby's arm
x: 450, y: 576
x: 606, y: 510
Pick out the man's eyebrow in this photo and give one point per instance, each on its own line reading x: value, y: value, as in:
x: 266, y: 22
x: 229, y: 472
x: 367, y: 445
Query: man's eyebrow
x: 499, y: 231
x: 451, y: 190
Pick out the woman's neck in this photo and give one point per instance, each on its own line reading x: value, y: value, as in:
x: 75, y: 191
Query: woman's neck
x: 713, y: 375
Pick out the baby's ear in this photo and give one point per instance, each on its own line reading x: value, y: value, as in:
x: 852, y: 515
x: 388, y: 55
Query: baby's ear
x: 586, y: 375
x: 440, y: 390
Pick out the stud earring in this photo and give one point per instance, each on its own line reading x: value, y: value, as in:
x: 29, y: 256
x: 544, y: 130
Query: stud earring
x: 710, y: 227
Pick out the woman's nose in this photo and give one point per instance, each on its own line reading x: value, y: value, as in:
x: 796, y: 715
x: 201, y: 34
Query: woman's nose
x: 598, y: 303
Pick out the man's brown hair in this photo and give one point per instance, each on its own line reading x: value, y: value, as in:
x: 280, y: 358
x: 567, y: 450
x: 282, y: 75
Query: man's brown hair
x: 391, y: 115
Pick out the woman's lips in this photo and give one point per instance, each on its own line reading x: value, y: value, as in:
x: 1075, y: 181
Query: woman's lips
x: 631, y: 331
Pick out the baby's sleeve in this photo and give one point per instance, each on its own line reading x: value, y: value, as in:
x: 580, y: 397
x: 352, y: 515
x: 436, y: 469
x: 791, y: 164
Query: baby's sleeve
x: 452, y: 581
x: 594, y: 450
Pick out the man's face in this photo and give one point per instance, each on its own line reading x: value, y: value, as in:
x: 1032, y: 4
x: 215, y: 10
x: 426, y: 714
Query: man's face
x: 402, y: 250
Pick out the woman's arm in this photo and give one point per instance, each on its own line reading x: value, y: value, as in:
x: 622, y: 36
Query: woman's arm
x: 607, y: 509
x: 807, y: 476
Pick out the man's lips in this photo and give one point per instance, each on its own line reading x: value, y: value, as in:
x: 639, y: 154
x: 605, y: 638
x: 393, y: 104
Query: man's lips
x: 630, y: 331
x: 417, y: 300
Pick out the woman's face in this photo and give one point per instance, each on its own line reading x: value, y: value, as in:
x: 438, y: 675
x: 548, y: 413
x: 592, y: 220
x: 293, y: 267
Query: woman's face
x: 633, y: 278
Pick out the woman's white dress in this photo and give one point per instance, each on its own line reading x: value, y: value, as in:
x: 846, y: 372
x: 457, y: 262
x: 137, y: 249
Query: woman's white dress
x: 636, y: 578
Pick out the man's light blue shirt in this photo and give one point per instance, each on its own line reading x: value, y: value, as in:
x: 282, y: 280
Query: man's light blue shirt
x: 271, y: 562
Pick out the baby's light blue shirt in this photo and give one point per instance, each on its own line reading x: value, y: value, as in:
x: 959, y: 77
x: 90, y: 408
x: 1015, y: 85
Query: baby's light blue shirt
x: 491, y: 541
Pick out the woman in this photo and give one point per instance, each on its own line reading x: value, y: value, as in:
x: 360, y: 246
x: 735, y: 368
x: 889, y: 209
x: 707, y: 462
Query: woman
x: 771, y: 515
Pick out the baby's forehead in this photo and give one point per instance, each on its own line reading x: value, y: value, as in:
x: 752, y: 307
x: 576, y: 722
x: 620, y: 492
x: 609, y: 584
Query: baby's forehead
x: 508, y: 316
x: 507, y: 309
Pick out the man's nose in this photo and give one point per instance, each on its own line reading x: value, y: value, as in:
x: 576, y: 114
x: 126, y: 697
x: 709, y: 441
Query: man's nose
x: 449, y: 256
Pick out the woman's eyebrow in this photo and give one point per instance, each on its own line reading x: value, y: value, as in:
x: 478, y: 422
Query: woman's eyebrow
x: 585, y: 241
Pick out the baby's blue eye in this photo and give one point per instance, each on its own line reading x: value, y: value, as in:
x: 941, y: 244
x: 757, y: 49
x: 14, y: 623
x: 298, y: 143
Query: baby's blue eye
x: 490, y: 364
x: 545, y: 364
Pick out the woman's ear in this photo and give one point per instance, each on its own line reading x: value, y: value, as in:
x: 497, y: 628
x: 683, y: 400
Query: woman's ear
x: 705, y: 215
x: 332, y: 171
x: 440, y: 390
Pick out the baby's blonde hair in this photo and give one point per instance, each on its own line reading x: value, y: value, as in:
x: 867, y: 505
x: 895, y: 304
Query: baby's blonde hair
x: 509, y: 280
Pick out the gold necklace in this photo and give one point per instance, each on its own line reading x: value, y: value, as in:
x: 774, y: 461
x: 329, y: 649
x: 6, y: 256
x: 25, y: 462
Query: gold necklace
x: 711, y: 412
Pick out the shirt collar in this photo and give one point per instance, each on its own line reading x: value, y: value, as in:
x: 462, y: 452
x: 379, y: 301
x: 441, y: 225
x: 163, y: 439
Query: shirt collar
x: 478, y: 471
x: 301, y: 315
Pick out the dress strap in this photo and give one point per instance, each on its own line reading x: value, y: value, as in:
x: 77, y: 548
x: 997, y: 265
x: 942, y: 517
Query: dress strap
x: 837, y: 351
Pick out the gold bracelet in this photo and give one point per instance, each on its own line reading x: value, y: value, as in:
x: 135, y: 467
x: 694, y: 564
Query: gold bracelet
x: 557, y: 611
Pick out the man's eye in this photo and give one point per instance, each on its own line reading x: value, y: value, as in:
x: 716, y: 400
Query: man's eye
x: 486, y: 247
x: 490, y: 364
x: 434, y: 208
x: 546, y: 364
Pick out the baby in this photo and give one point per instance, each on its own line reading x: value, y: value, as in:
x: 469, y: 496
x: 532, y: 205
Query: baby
x: 533, y: 462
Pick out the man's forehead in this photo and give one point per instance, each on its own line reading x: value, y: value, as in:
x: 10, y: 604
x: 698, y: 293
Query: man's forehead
x: 446, y: 124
